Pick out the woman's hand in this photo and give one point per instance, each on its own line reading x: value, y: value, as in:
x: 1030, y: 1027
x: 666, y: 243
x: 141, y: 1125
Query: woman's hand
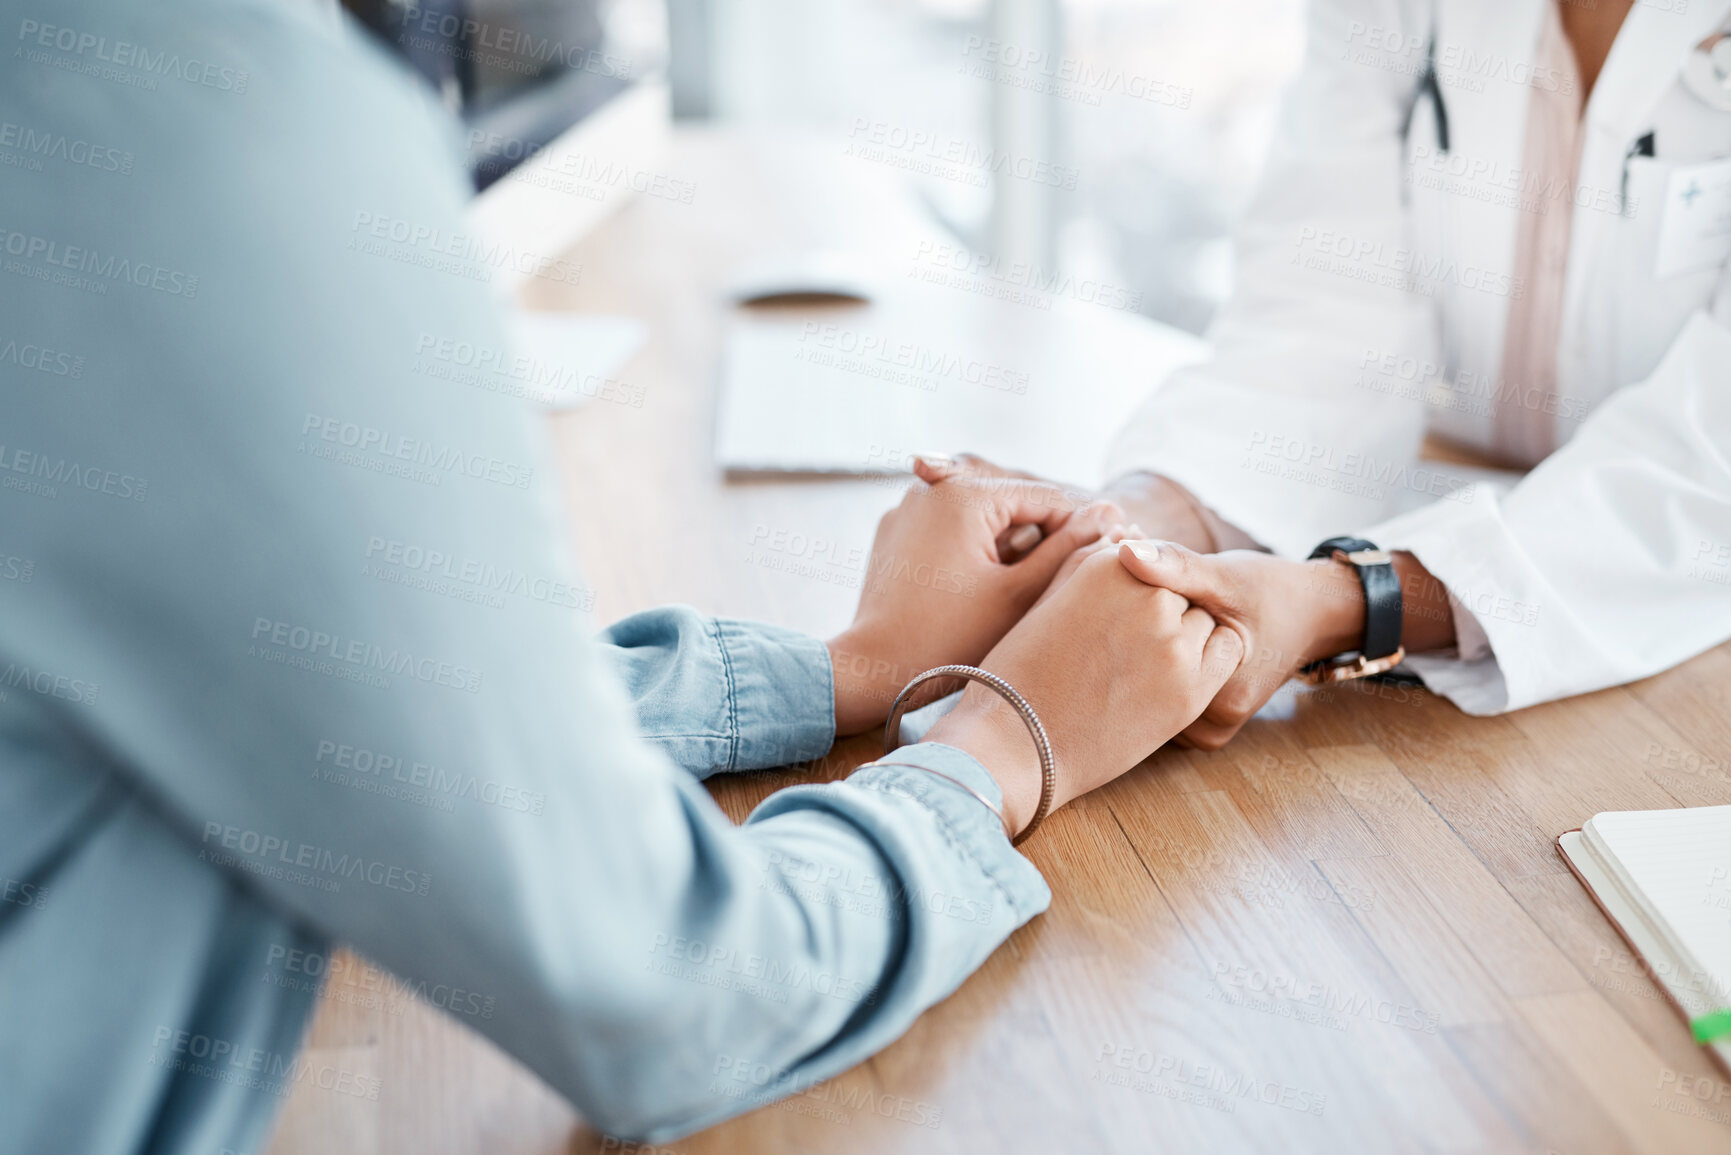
x: 1113, y: 667
x: 937, y: 587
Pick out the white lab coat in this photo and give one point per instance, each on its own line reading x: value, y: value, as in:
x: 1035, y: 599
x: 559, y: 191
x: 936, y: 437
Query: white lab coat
x: 1373, y: 281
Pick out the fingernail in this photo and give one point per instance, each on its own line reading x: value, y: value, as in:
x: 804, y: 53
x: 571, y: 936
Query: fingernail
x: 1024, y: 538
x: 1117, y: 533
x: 1144, y: 550
x: 935, y: 460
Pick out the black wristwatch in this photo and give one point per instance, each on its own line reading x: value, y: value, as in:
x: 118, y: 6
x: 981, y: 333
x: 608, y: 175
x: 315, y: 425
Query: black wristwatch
x: 1381, y: 650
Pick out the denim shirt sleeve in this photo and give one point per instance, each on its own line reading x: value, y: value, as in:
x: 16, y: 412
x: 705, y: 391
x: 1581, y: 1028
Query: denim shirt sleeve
x: 294, y: 741
x: 723, y: 694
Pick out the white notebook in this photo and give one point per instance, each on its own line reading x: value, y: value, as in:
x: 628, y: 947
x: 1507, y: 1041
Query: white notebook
x: 856, y: 391
x: 1664, y: 878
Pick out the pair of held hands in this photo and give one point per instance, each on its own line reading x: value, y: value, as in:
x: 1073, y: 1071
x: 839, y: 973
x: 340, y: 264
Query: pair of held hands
x: 1120, y: 643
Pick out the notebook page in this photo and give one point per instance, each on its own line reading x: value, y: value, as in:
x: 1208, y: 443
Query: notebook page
x: 1679, y: 862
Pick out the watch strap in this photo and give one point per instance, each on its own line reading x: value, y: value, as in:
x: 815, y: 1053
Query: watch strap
x: 1382, y: 603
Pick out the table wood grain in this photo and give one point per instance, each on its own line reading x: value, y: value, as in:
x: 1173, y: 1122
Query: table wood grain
x: 1350, y: 930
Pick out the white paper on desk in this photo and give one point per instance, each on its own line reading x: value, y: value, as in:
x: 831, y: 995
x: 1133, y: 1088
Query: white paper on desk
x: 859, y: 391
x: 563, y: 360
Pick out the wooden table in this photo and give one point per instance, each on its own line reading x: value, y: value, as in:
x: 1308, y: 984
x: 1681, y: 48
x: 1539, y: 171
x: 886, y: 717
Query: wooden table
x: 1348, y: 931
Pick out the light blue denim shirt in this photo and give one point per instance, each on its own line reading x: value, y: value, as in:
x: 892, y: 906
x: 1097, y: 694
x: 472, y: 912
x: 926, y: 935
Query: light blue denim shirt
x: 292, y: 652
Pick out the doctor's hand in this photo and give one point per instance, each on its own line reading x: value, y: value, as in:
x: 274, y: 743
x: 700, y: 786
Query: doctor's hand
x: 1164, y: 508
x: 939, y: 589
x: 1171, y: 513
x: 1113, y: 667
x: 1286, y: 613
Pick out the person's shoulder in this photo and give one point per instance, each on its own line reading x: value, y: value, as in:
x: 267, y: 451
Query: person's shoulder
x: 210, y: 181
x: 245, y: 151
x: 227, y: 104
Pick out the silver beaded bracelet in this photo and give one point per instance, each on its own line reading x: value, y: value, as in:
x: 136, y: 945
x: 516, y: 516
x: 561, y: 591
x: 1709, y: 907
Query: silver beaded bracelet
x: 1042, y: 745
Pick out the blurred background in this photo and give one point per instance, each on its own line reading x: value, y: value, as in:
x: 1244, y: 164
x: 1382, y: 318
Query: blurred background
x: 1114, y: 139
x: 1110, y: 139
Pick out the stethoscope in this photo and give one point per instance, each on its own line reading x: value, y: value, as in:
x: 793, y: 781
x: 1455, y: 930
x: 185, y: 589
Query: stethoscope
x: 1707, y: 72
x: 1428, y: 85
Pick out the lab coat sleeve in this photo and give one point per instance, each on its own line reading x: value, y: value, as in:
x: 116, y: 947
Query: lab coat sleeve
x: 1611, y: 560
x: 1274, y: 432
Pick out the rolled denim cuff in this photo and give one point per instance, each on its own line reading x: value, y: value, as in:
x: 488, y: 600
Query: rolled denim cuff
x: 781, y: 693
x: 975, y: 832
